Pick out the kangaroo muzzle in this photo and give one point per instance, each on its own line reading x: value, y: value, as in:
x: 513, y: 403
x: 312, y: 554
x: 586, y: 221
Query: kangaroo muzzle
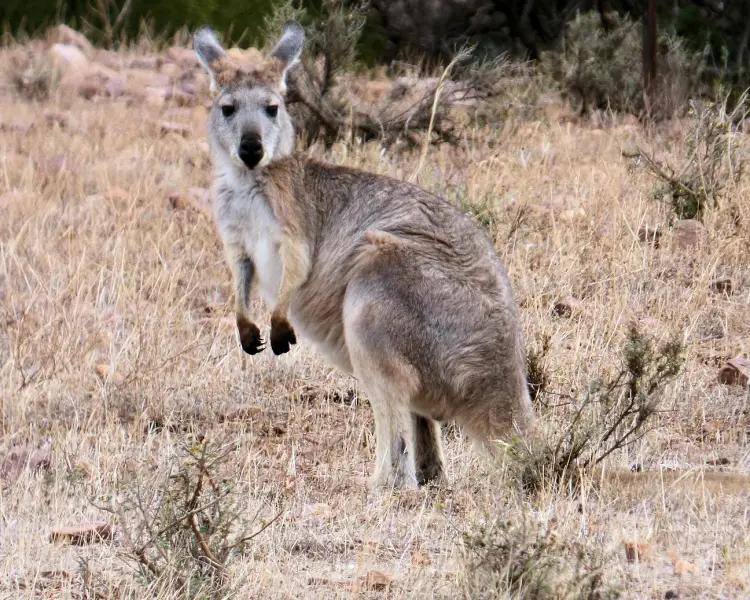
x: 251, y: 150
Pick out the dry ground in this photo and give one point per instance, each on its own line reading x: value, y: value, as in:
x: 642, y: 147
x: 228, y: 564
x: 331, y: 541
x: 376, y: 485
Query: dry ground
x: 116, y: 313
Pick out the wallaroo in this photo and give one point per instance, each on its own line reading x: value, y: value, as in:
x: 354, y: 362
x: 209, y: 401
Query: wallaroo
x: 393, y: 285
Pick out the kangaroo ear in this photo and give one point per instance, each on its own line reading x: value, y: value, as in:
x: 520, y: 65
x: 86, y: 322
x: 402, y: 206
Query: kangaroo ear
x: 207, y: 47
x: 288, y: 49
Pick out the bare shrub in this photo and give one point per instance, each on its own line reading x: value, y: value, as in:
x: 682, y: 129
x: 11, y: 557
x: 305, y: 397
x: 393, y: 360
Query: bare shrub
x: 184, y: 530
x: 527, y: 559
x: 611, y: 415
x: 328, y: 99
x: 596, y: 68
x: 713, y: 165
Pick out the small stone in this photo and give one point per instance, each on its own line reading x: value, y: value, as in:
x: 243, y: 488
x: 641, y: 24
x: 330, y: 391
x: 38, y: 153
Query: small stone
x: 62, y: 34
x: 68, y: 57
x: 736, y: 371
x: 671, y: 595
x: 19, y: 458
x: 564, y: 308
x: 722, y: 286
x: 649, y: 235
x: 82, y: 534
x: 688, y: 233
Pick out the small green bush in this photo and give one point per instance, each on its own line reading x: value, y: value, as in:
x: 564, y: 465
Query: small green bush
x: 600, y: 69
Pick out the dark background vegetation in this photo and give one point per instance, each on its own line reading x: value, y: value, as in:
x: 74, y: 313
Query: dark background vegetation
x: 399, y: 28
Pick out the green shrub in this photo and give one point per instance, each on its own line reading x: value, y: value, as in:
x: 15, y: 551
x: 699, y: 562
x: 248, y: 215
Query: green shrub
x: 600, y: 69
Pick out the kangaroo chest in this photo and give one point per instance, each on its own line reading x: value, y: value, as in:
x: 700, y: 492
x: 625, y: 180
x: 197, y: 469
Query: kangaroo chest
x: 246, y: 224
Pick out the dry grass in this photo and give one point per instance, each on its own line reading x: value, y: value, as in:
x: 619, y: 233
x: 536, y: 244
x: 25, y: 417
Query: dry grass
x: 117, y: 346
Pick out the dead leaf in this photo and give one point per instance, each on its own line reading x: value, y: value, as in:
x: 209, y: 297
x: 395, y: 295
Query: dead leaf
x: 638, y: 551
x: 683, y: 567
x: 378, y: 580
x: 194, y: 197
x: 82, y: 534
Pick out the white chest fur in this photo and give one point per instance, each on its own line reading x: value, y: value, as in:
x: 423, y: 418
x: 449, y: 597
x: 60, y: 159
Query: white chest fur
x: 246, y: 222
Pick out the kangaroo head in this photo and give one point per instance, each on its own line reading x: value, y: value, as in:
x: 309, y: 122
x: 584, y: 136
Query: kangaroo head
x: 248, y: 122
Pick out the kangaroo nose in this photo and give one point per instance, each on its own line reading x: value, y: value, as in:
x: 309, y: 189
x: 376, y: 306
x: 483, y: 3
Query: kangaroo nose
x: 251, y: 149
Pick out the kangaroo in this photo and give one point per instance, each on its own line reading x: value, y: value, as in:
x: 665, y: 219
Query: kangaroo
x: 393, y: 285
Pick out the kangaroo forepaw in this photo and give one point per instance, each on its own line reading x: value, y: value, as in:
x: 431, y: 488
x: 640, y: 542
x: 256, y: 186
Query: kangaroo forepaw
x: 250, y: 338
x: 282, y: 335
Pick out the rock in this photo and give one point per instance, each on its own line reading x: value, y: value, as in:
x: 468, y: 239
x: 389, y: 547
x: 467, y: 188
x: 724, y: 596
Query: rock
x: 722, y: 286
x: 688, y: 233
x: 62, y: 34
x: 671, y: 595
x: 637, y: 551
x: 19, y: 458
x: 649, y: 235
x: 183, y: 57
x: 735, y: 371
x: 565, y: 308
x: 68, y: 58
x: 166, y: 127
x: 82, y: 534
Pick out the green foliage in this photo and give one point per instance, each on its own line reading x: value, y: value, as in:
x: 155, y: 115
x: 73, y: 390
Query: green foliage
x: 529, y: 561
x: 713, y: 162
x: 184, y: 528
x: 610, y: 416
x: 239, y: 20
x: 600, y: 68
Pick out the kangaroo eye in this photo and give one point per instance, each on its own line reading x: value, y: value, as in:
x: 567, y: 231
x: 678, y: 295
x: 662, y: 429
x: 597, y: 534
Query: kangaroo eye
x: 227, y: 110
x: 272, y: 110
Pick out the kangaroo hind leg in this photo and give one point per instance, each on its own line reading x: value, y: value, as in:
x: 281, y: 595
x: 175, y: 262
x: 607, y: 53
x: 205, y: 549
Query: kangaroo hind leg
x: 390, y: 383
x: 428, y: 450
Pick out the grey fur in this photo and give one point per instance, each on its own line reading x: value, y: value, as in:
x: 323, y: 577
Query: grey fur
x: 392, y: 284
